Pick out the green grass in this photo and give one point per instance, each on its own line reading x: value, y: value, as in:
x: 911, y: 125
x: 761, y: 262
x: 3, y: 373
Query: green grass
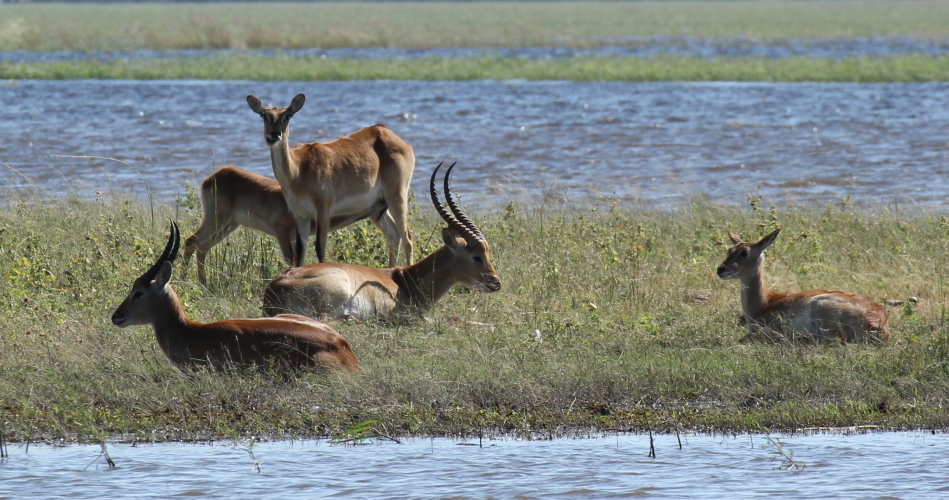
x: 609, y: 318
x: 907, y: 68
x: 90, y: 26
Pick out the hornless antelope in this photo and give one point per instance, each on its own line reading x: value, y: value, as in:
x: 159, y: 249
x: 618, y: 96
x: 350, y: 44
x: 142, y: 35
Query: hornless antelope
x: 346, y: 290
x: 287, y: 340
x: 811, y: 316
x: 363, y: 174
x: 233, y: 197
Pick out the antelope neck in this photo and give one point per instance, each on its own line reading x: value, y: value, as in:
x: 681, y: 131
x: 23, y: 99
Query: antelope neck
x: 754, y: 292
x: 420, y: 282
x: 285, y: 165
x: 169, y: 315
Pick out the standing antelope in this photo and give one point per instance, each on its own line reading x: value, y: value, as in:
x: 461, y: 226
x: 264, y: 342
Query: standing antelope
x: 811, y: 316
x: 232, y: 197
x: 363, y: 174
x: 287, y: 340
x: 346, y: 290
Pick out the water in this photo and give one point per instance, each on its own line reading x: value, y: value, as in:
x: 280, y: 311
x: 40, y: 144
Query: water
x: 631, y: 46
x: 659, y: 143
x: 878, y: 465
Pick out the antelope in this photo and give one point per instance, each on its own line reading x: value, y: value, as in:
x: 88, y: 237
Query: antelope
x: 363, y: 174
x: 351, y: 291
x: 286, y: 340
x: 232, y: 197
x: 811, y: 316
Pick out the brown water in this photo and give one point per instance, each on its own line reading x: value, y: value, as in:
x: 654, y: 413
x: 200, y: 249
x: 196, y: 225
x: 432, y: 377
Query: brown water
x: 882, y: 465
x: 639, y: 142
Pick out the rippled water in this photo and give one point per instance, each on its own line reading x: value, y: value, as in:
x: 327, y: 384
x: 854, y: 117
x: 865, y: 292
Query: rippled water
x: 880, y: 465
x: 632, y: 46
x: 640, y: 142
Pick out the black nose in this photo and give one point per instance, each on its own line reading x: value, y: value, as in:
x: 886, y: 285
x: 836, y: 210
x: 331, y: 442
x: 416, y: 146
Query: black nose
x: 494, y: 285
x: 117, y: 320
x: 273, y: 137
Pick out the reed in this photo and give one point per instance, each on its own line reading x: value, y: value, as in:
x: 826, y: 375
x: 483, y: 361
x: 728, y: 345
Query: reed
x: 903, y: 68
x: 611, y: 318
x: 179, y: 25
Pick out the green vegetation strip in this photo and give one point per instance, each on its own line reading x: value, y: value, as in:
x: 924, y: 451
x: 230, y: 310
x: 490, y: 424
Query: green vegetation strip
x: 909, y: 68
x: 610, y: 318
x: 180, y: 25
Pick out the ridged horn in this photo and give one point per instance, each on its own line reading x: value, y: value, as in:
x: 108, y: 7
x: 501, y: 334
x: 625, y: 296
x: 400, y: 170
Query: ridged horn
x: 168, y: 255
x: 462, y: 218
x: 448, y: 217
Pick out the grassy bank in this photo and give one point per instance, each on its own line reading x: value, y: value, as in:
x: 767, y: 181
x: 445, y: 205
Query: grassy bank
x: 906, y: 68
x: 89, y: 26
x: 610, y: 318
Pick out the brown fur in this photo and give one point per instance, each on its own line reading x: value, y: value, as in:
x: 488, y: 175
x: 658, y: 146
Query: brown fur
x: 366, y: 173
x: 811, y: 316
x: 288, y: 340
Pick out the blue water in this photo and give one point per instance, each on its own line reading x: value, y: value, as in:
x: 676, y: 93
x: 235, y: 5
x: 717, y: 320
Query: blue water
x: 877, y: 465
x: 665, y: 143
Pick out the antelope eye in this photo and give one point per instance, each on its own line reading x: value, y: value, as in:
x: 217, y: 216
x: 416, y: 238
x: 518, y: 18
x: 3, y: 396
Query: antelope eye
x: 743, y: 252
x: 137, y: 295
x: 478, y: 259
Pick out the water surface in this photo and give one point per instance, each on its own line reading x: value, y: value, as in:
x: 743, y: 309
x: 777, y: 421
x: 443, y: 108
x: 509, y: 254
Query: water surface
x: 638, y: 142
x: 881, y: 465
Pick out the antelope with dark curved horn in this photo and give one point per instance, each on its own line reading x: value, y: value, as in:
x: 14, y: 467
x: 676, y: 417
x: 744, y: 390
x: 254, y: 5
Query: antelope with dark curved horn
x: 811, y: 316
x: 288, y: 340
x: 351, y: 291
x: 363, y: 174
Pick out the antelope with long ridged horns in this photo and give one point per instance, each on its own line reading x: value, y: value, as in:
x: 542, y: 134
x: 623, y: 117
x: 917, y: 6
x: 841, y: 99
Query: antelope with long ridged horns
x: 351, y: 291
x: 360, y: 175
x: 811, y: 316
x: 288, y: 340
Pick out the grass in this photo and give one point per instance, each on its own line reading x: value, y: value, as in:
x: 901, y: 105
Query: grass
x: 609, y: 318
x: 90, y: 26
x: 904, y: 68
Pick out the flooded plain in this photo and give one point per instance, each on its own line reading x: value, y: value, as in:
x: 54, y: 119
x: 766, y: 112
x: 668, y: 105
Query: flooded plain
x: 656, y: 143
x: 877, y: 465
x: 629, y: 46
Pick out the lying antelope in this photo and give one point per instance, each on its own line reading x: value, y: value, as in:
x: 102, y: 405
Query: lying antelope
x: 363, y: 174
x: 286, y: 340
x: 346, y: 290
x: 811, y: 316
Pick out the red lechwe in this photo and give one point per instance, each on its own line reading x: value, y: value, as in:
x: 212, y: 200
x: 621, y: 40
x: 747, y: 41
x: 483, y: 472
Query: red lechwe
x: 288, y: 341
x: 363, y: 174
x: 351, y: 291
x: 811, y: 316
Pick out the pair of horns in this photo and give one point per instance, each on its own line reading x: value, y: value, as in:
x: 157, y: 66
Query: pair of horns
x: 168, y: 255
x: 468, y: 230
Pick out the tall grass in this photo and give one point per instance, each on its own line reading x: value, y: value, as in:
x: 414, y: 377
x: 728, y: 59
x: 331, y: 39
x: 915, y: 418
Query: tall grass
x: 906, y: 68
x: 177, y: 25
x: 609, y: 317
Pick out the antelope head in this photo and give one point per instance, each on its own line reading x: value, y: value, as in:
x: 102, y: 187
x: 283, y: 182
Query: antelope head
x: 471, y: 260
x: 139, y: 306
x: 744, y: 259
x: 276, y: 120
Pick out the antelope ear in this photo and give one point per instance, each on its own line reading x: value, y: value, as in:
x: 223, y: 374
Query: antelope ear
x: 452, y: 239
x: 255, y: 104
x: 736, y: 240
x: 296, y: 104
x: 767, y: 240
x: 163, y: 276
